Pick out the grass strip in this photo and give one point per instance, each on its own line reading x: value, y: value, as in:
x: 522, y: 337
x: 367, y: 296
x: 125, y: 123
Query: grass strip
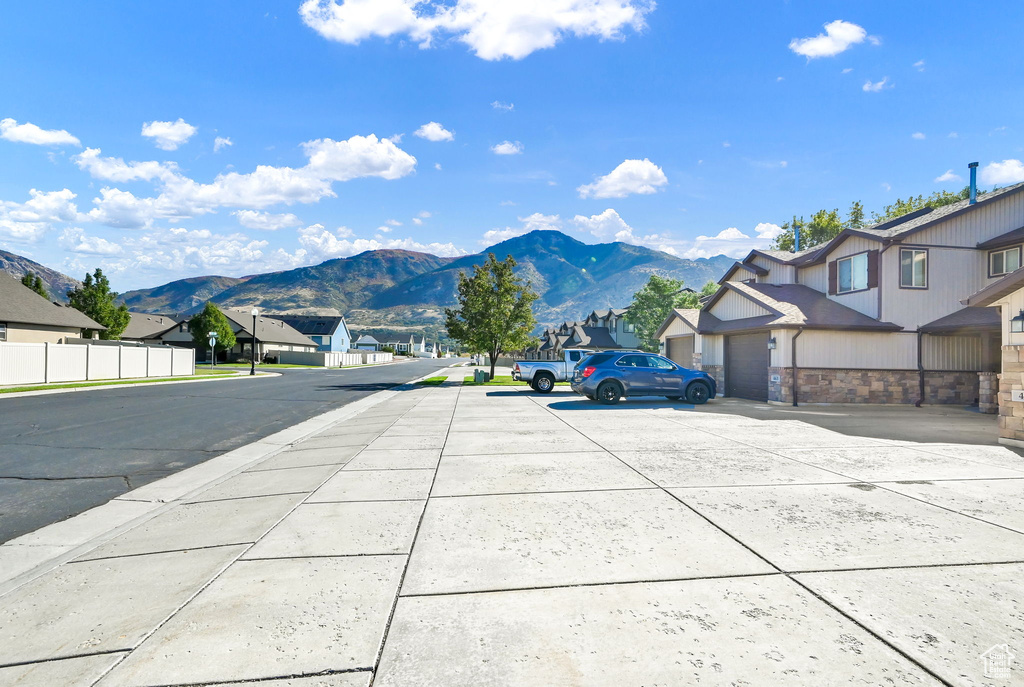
x: 115, y: 382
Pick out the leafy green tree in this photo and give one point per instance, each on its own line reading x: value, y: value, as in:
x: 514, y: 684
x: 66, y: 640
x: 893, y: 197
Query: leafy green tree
x: 35, y: 282
x: 653, y: 304
x: 692, y: 299
x: 823, y: 227
x: 912, y: 204
x: 96, y: 300
x: 855, y: 218
x: 211, y: 319
x: 495, y: 312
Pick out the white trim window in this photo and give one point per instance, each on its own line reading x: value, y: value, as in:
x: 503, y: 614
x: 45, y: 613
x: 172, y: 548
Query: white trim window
x: 1004, y: 261
x: 853, y: 273
x: 913, y: 268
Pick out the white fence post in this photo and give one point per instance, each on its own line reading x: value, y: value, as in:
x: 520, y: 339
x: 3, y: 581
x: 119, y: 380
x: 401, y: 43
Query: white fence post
x: 46, y: 364
x: 172, y: 363
x: 88, y: 359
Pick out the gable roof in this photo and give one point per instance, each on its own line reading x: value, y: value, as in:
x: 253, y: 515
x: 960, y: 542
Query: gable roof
x: 367, y: 339
x: 792, y: 306
x: 267, y: 329
x: 309, y: 325
x: 997, y: 290
x: 147, y: 326
x: 22, y: 305
x: 597, y: 337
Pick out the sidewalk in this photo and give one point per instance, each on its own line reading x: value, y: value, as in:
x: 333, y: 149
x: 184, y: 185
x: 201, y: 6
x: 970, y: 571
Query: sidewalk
x: 490, y: 536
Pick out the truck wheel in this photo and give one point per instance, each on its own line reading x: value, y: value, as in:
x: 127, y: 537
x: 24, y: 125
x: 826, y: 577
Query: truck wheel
x: 609, y: 393
x: 544, y: 383
x: 698, y: 393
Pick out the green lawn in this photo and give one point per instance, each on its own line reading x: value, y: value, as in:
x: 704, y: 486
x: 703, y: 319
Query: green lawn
x: 505, y: 380
x: 200, y: 374
x: 433, y: 381
x: 263, y: 366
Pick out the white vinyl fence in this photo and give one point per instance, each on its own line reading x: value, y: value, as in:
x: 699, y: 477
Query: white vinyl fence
x: 42, y: 363
x: 333, y: 358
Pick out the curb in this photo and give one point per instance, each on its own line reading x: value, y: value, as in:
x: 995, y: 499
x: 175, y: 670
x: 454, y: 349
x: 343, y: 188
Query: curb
x: 31, y: 555
x: 101, y: 387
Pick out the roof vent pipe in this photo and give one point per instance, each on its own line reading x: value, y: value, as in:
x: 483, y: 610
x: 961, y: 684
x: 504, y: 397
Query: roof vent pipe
x: 796, y: 236
x: 974, y: 182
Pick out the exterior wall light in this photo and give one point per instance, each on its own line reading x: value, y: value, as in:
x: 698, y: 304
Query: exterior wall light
x: 771, y: 342
x: 1017, y: 323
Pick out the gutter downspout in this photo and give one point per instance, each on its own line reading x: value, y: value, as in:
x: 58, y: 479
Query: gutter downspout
x: 920, y: 369
x: 793, y: 352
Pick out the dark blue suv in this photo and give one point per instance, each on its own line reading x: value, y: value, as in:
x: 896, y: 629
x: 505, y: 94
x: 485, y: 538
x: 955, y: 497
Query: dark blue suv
x: 607, y: 376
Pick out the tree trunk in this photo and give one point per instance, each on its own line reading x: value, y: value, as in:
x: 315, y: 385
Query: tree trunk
x: 494, y: 360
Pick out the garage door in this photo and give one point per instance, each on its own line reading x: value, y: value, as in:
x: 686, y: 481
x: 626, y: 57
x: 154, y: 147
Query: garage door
x: 746, y: 366
x: 680, y: 350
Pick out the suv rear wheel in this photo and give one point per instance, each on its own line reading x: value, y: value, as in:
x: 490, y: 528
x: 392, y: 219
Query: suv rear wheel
x: 609, y: 393
x: 543, y: 382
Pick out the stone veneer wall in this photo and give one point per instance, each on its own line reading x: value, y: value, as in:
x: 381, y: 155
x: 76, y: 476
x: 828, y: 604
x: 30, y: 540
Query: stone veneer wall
x: 988, y: 392
x: 1011, y: 413
x: 817, y: 385
x: 718, y: 372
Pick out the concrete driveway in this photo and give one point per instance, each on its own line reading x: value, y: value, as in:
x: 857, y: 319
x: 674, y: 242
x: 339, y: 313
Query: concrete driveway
x: 490, y: 536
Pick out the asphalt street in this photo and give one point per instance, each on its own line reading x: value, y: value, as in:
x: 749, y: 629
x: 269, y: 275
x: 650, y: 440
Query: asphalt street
x: 62, y: 454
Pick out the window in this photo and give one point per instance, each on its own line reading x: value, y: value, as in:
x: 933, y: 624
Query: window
x: 660, y: 363
x: 325, y: 341
x: 913, y: 268
x: 1003, y: 261
x: 598, y: 359
x: 3, y: 331
x: 633, y: 361
x: 628, y: 327
x: 853, y: 273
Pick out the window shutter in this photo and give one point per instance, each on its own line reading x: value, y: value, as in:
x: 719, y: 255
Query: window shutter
x: 833, y: 277
x: 872, y: 269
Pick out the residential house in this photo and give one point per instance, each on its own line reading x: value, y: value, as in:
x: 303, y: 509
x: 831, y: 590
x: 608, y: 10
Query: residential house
x: 271, y: 336
x: 872, y: 316
x: 27, y: 317
x: 367, y: 343
x: 601, y: 330
x: 147, y: 328
x: 330, y: 333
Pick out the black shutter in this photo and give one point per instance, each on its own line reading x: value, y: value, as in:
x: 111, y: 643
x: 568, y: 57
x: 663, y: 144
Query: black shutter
x: 872, y: 269
x: 833, y: 278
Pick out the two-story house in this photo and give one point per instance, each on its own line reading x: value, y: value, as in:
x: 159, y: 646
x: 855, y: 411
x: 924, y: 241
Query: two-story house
x: 872, y: 316
x: 601, y: 330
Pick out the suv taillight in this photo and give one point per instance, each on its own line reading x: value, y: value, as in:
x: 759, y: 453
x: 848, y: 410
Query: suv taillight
x: 588, y: 370
x: 517, y: 367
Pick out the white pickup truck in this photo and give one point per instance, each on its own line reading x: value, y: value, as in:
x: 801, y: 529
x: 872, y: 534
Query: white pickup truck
x: 542, y: 374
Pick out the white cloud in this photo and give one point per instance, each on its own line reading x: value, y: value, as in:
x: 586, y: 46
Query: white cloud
x: 507, y: 148
x: 30, y: 133
x: 437, y: 166
x: 221, y: 142
x: 252, y: 219
x: 359, y: 156
x: 393, y: 223
x: 847, y: 70
x: 1005, y: 172
x: 417, y: 221
x: 876, y: 86
x: 31, y: 220
x: 632, y: 176
x: 953, y: 134
x: 731, y: 242
x: 432, y: 131
x: 918, y: 136
x: 322, y: 244
x: 384, y: 229
x: 504, y: 107
x: 116, y: 169
x: 492, y: 30
x: 606, y: 225
x: 919, y: 65
x: 395, y: 138
x: 726, y: 144
x: 948, y: 176
x: 168, y: 135
x: 75, y: 240
x: 838, y: 37
x: 424, y: 214
x: 534, y: 222
x: 886, y: 186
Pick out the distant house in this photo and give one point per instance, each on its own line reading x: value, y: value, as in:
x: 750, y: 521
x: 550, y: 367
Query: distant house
x: 271, y: 336
x: 147, y: 328
x: 367, y: 343
x: 872, y: 316
x: 27, y: 317
x: 601, y: 330
x: 329, y: 333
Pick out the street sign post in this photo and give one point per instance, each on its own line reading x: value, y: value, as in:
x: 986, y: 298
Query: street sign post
x: 213, y: 349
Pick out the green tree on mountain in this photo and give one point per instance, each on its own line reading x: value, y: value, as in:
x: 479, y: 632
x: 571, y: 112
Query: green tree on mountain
x: 35, y: 282
x: 495, y: 310
x: 96, y: 300
x: 654, y: 303
x: 211, y: 319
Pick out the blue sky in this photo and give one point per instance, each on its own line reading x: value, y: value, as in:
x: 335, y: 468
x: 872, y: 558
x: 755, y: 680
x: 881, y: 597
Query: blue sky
x: 688, y: 127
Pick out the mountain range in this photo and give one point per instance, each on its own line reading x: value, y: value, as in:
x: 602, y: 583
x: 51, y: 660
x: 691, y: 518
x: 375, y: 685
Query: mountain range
x: 57, y: 284
x: 396, y: 289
